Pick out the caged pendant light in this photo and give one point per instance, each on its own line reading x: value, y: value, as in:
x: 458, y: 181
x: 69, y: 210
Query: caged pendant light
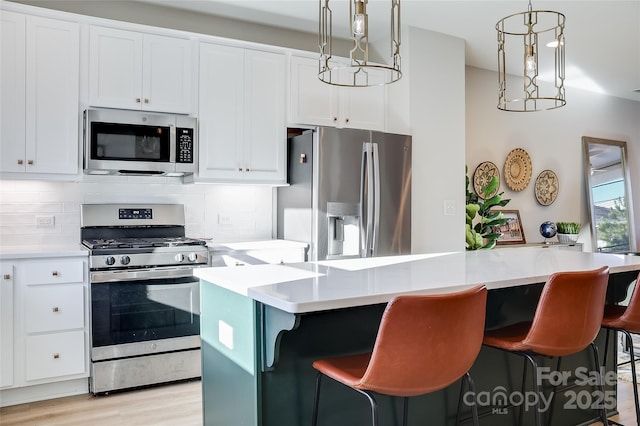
x: 539, y: 34
x: 359, y: 71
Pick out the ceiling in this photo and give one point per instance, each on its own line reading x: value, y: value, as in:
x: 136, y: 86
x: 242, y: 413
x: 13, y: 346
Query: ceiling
x: 602, y: 50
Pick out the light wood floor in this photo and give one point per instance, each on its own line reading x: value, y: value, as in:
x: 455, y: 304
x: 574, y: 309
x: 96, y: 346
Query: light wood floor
x: 171, y: 405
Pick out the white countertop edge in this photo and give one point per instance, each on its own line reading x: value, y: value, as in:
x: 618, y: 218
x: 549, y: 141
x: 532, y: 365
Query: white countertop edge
x: 255, y: 245
x: 515, y: 268
x: 42, y: 251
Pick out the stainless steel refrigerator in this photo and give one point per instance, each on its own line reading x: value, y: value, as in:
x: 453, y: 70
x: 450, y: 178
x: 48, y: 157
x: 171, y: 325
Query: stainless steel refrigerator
x: 349, y: 193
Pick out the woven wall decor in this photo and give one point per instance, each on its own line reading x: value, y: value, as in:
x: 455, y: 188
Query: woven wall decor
x: 517, y: 169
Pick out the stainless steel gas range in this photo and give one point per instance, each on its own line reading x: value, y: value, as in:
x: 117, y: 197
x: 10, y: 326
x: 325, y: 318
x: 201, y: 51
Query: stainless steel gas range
x: 144, y: 302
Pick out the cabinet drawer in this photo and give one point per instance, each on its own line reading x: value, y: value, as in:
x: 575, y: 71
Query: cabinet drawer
x: 55, y: 355
x: 51, y: 272
x: 54, y: 307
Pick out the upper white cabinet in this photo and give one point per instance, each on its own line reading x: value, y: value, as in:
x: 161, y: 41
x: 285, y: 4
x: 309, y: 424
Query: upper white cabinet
x: 317, y: 103
x: 242, y: 130
x: 40, y: 93
x: 132, y: 70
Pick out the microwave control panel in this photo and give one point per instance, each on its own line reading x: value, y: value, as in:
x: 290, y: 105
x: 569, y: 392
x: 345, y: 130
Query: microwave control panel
x: 184, y: 145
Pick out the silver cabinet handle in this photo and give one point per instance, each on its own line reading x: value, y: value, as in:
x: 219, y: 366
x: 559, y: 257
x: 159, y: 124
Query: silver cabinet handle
x: 56, y: 355
x: 56, y: 309
x: 30, y: 162
x: 54, y: 273
x: 137, y: 100
x: 20, y: 162
x: 7, y: 276
x: 146, y: 101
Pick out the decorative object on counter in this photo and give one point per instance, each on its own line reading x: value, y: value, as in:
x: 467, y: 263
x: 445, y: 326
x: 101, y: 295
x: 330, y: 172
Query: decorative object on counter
x: 568, y: 232
x: 482, y: 177
x: 541, y: 33
x: 510, y: 232
x: 547, y: 187
x: 359, y: 70
x: 479, y: 234
x: 517, y: 169
x: 548, y: 229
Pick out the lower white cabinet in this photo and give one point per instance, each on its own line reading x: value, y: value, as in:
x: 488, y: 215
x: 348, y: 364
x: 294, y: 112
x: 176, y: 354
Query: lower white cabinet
x: 44, y: 321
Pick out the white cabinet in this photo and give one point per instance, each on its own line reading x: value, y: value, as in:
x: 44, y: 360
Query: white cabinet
x: 6, y: 325
x: 39, y: 110
x: 45, y: 321
x: 242, y: 131
x: 317, y: 103
x: 132, y: 70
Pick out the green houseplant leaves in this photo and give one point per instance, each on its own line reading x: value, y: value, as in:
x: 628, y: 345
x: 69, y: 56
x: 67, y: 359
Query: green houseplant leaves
x: 480, y: 220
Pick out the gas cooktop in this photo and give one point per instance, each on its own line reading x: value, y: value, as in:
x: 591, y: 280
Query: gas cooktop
x: 99, y: 243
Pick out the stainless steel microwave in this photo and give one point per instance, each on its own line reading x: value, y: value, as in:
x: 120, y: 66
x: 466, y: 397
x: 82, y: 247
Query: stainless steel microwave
x: 124, y: 142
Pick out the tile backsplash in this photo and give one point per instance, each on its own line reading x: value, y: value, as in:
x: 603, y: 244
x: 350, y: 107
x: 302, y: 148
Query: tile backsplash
x: 220, y: 212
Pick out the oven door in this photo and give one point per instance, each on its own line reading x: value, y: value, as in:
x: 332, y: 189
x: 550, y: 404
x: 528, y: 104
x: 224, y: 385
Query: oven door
x: 141, y: 316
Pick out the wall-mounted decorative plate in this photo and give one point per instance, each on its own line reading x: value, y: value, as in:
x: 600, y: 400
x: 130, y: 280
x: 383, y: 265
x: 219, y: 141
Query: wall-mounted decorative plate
x: 517, y: 169
x: 482, y: 176
x: 547, y: 187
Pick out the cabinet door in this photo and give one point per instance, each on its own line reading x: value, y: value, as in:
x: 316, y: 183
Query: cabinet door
x: 12, y: 85
x: 52, y: 96
x: 310, y: 100
x: 362, y: 107
x: 6, y: 324
x: 166, y: 81
x: 264, y: 153
x: 221, y: 111
x: 115, y: 68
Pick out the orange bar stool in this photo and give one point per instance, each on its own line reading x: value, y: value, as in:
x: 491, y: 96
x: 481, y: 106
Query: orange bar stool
x: 417, y: 350
x: 567, y: 320
x: 625, y: 319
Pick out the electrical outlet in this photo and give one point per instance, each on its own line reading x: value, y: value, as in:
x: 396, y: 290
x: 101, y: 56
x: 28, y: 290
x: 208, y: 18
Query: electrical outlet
x: 45, y: 221
x: 449, y: 207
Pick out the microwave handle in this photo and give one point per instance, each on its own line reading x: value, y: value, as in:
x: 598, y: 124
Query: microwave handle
x: 172, y: 144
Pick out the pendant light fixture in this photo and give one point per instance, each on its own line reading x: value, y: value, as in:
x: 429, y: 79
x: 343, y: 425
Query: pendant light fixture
x: 537, y: 37
x: 354, y: 68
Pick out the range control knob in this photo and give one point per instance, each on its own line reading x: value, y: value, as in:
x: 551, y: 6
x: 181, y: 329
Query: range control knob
x: 193, y: 257
x: 125, y: 260
x: 179, y: 257
x: 110, y: 260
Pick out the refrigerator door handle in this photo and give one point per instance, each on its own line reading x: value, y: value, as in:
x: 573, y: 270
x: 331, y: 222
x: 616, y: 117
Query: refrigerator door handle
x: 375, y: 214
x: 366, y: 196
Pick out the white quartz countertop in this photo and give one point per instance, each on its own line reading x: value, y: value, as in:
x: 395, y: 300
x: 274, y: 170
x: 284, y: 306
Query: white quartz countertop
x: 42, y: 250
x: 256, y: 245
x: 317, y: 286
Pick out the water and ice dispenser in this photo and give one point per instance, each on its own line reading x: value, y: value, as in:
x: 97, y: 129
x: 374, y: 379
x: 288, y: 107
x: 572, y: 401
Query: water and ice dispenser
x: 343, y: 230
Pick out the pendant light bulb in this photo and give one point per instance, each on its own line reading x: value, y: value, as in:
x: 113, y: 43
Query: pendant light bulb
x: 530, y: 60
x: 358, y: 26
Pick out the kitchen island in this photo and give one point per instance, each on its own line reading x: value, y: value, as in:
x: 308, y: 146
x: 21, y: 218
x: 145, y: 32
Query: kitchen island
x: 262, y: 326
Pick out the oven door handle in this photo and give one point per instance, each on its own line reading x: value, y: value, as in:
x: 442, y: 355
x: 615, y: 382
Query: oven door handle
x: 140, y: 274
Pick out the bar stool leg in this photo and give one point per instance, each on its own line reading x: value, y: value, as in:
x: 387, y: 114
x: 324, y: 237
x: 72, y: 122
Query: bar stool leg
x: 603, y: 410
x: 316, y: 401
x: 474, y: 408
x: 536, y: 388
x: 633, y: 372
x: 405, y: 411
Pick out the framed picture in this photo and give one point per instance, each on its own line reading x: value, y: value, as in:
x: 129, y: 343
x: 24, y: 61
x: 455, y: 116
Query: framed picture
x: 512, y: 232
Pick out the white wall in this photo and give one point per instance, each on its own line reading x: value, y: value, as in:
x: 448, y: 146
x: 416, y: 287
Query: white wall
x: 224, y: 213
x: 553, y: 140
x: 436, y: 101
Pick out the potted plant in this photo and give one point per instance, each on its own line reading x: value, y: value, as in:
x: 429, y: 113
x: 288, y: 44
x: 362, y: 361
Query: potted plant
x: 480, y: 220
x: 568, y: 232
